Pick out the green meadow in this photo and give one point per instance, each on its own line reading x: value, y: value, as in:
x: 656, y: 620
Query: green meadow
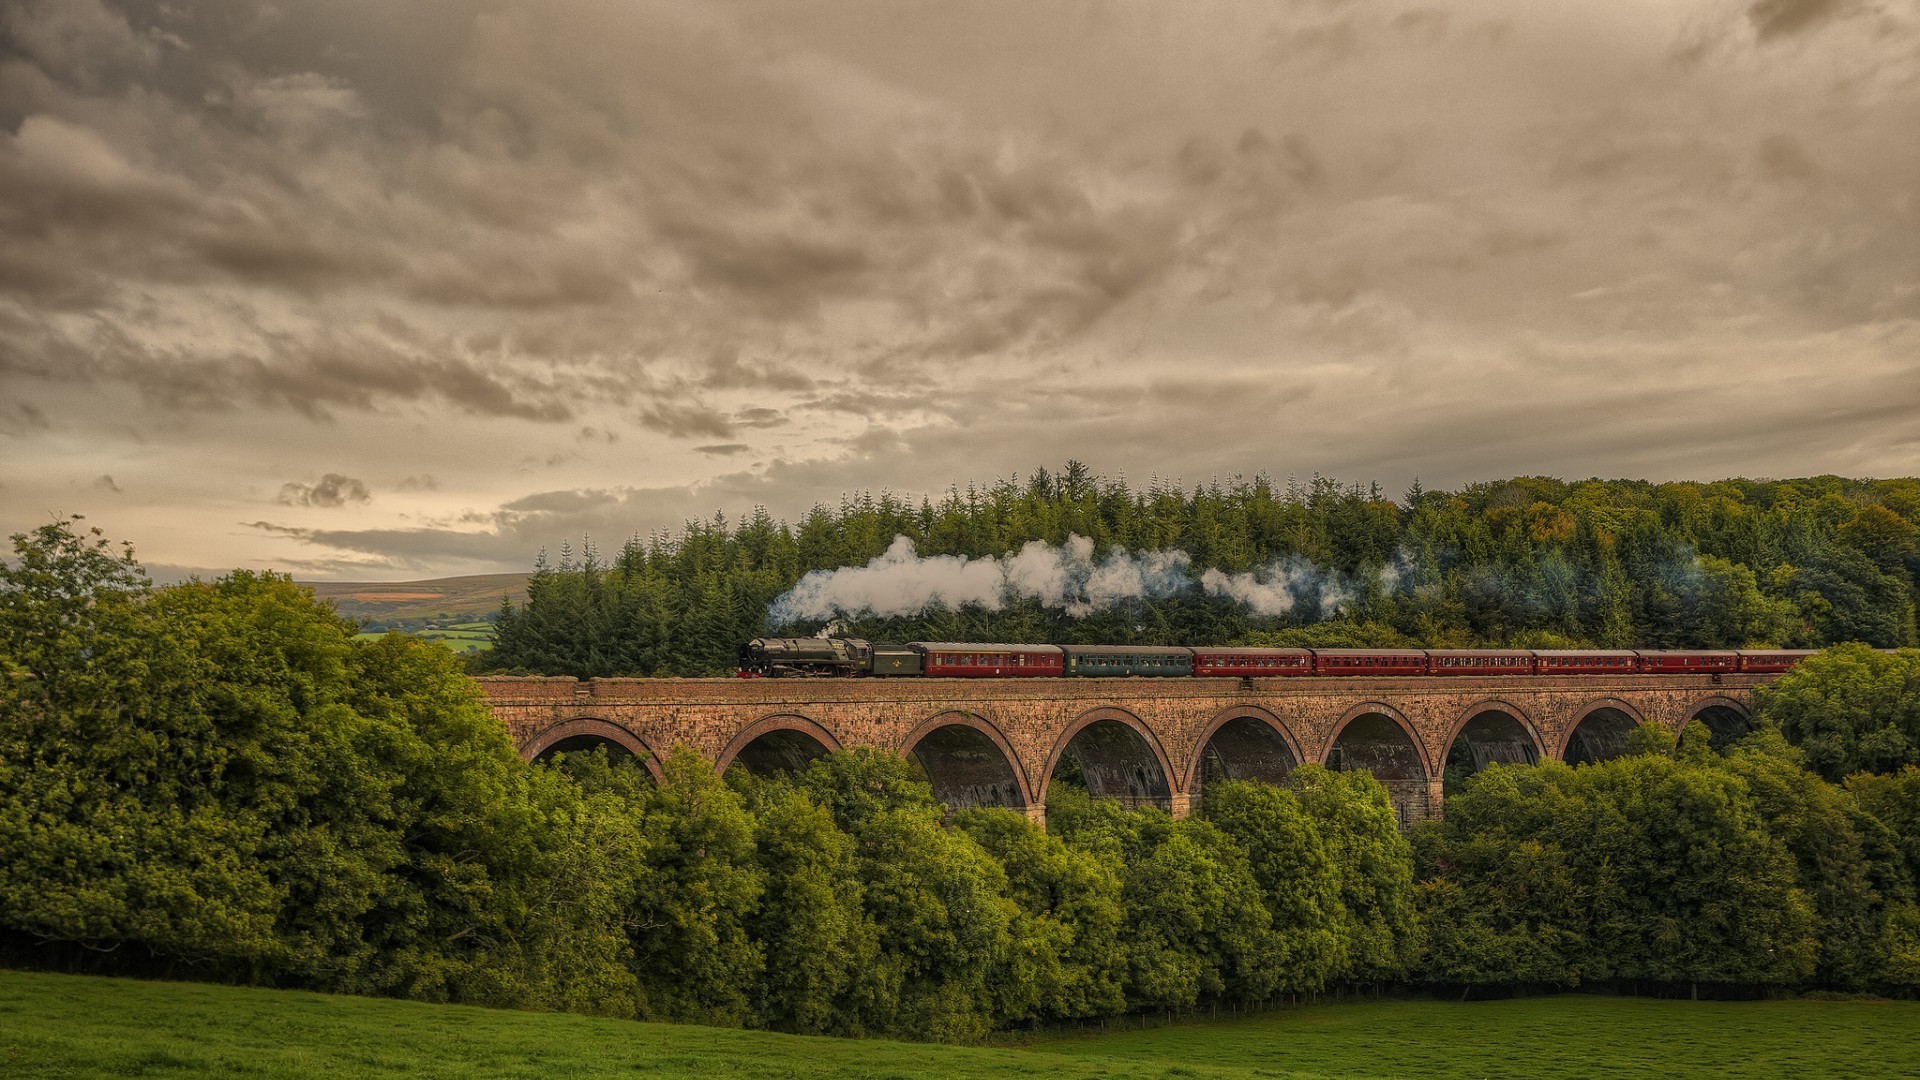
x: 460, y: 637
x: 72, y: 1026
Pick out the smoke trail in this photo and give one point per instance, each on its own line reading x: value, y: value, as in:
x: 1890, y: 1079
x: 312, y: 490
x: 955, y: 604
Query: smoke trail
x: 1067, y: 577
x: 1277, y: 588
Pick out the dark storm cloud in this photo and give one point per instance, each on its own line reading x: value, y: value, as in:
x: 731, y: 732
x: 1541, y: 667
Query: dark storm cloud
x: 685, y: 420
x: 327, y: 371
x: 308, y: 175
x: 1782, y: 157
x: 760, y: 417
x: 727, y: 370
x: 332, y: 490
x: 784, y: 250
x: 1778, y: 18
x: 397, y: 549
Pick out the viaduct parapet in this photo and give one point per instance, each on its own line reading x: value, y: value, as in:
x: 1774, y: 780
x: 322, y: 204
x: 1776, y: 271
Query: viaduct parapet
x: 1000, y: 742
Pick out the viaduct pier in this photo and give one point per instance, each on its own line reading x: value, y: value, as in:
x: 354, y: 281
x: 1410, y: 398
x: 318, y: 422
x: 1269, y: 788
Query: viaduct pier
x: 1000, y: 742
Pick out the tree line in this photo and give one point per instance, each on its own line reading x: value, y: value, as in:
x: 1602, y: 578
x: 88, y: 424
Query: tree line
x: 217, y: 781
x: 1526, y: 562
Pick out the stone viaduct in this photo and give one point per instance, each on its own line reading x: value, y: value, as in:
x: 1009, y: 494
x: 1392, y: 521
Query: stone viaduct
x: 999, y: 742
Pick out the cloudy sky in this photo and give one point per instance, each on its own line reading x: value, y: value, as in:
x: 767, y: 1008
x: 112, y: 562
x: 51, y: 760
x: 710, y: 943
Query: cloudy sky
x: 373, y: 290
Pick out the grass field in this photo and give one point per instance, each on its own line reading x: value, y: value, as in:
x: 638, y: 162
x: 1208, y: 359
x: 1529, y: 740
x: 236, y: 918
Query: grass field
x: 460, y: 637
x: 68, y: 1026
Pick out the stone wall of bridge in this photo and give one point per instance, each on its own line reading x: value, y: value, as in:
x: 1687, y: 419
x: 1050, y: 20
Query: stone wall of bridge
x: 998, y: 742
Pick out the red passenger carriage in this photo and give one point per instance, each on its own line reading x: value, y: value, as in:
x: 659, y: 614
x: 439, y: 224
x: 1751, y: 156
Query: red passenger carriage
x: 1479, y: 662
x: 972, y: 660
x: 1692, y: 662
x: 1369, y: 662
x: 1771, y: 660
x: 1250, y: 662
x: 1585, y: 662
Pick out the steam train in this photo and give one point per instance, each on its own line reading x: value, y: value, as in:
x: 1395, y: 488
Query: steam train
x: 829, y: 657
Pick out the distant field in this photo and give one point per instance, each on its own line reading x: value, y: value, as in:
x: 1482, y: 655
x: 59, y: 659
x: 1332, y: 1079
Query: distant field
x: 477, y: 594
x: 461, y: 638
x: 62, y: 1025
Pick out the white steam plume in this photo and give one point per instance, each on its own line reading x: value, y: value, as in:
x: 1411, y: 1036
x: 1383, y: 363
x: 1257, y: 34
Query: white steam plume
x: 902, y: 582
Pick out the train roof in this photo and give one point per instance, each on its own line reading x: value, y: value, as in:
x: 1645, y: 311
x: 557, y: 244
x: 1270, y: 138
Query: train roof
x: 1125, y: 650
x: 1250, y: 650
x: 980, y: 646
x: 1624, y: 654
x: 1370, y: 652
x: 1685, y: 652
x: 1479, y: 652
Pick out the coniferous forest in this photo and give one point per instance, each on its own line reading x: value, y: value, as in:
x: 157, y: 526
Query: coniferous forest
x: 218, y: 781
x: 1527, y: 562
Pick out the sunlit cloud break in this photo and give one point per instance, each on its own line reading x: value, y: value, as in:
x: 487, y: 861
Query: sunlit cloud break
x: 1066, y: 577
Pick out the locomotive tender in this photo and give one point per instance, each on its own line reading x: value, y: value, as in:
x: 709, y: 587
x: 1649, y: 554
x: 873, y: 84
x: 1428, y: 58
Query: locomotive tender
x: 830, y: 657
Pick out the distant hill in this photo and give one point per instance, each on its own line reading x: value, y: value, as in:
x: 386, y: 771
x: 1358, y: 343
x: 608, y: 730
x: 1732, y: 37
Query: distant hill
x: 475, y: 594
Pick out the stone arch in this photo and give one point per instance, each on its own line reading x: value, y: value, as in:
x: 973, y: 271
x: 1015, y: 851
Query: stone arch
x: 1374, y: 736
x: 1613, y: 721
x: 583, y: 732
x: 1497, y: 742
x: 1254, y: 742
x: 1132, y: 782
x: 791, y: 740
x: 1728, y: 720
x: 969, y: 761
x: 1415, y: 761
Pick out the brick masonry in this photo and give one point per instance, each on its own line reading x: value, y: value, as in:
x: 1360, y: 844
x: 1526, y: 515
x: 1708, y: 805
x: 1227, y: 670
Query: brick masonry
x: 1032, y: 721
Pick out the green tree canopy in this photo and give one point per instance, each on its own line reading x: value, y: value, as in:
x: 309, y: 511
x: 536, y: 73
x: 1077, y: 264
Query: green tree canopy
x: 1851, y: 709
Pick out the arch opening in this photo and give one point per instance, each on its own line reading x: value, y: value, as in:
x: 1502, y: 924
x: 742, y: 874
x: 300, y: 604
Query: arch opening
x: 1490, y: 737
x: 585, y: 734
x: 575, y: 744
x: 781, y: 750
x: 967, y: 768
x: 1111, y: 761
x: 1244, y: 748
x: 1375, y: 743
x: 1601, y: 735
x: 1726, y: 724
x: 1372, y: 741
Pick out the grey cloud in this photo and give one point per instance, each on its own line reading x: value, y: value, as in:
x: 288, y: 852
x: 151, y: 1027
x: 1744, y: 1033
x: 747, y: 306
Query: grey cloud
x: 1779, y: 18
x: 1782, y: 157
x: 351, y: 371
x: 1361, y: 238
x: 419, y: 482
x: 560, y: 502
x: 105, y: 483
x: 25, y: 414
x: 83, y: 40
x: 415, y: 549
x: 332, y: 490
x: 759, y: 417
x: 685, y: 420
x: 874, y: 403
x: 726, y: 370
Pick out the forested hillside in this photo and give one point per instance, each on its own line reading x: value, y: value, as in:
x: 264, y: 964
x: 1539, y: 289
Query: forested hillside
x: 1531, y: 561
